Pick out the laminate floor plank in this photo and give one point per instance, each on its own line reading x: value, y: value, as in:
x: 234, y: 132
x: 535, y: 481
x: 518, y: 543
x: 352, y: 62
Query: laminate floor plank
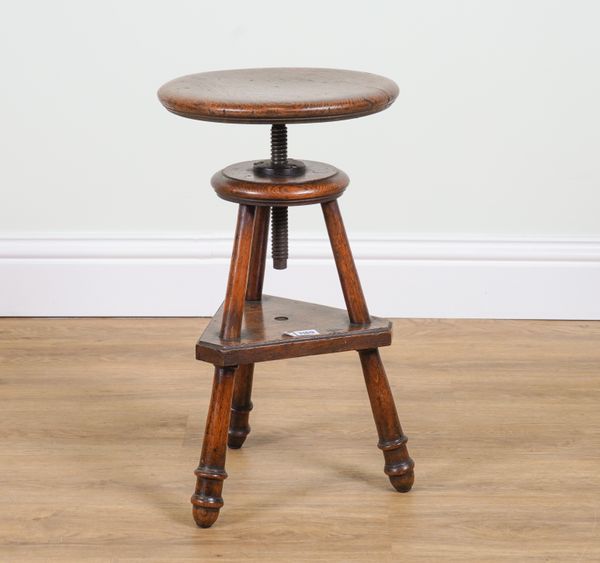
x: 101, y: 425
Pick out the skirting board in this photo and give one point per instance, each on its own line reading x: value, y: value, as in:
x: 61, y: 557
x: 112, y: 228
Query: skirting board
x: 401, y: 276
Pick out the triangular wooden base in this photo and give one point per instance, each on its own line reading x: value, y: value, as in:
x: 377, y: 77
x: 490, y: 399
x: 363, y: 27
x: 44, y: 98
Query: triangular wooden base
x: 265, y: 322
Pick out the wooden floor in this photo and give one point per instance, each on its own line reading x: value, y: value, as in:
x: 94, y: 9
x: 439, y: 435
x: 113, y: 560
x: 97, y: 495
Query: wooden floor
x: 101, y: 423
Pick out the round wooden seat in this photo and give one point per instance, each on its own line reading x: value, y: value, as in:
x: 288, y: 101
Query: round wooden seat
x: 320, y: 182
x: 278, y: 95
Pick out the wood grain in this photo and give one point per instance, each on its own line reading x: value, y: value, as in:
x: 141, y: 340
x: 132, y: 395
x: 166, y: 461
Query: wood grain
x: 399, y: 466
x: 278, y: 95
x: 237, y: 282
x: 321, y: 182
x: 102, y: 419
x: 344, y: 261
x: 264, y: 323
x: 241, y: 404
x: 210, y: 474
x: 258, y: 254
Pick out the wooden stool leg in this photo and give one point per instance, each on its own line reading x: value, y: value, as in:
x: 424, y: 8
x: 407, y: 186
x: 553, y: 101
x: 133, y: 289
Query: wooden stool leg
x: 398, y: 464
x: 344, y: 262
x: 399, y: 467
x: 241, y: 405
x: 239, y: 428
x: 233, y: 307
x: 207, y: 500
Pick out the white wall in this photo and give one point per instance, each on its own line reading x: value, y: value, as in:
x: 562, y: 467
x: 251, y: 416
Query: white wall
x: 495, y: 134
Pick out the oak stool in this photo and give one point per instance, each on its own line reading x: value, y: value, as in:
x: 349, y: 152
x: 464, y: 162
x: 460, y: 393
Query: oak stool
x: 251, y: 327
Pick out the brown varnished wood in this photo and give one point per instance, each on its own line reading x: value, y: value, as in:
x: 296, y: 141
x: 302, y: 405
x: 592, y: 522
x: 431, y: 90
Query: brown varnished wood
x: 258, y: 257
x: 249, y: 328
x: 210, y: 474
x: 262, y: 337
x: 398, y: 464
x: 351, y: 287
x: 241, y: 405
x: 399, y: 467
x: 278, y: 95
x: 321, y: 182
x: 238, y: 274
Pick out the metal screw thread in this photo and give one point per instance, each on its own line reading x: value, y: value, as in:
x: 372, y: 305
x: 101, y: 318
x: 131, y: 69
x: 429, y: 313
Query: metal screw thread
x: 279, y: 156
x: 279, y: 237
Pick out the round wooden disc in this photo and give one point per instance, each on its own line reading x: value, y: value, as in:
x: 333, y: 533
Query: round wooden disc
x: 278, y: 95
x: 238, y: 183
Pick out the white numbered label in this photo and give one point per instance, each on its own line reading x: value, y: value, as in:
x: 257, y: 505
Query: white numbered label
x: 305, y: 332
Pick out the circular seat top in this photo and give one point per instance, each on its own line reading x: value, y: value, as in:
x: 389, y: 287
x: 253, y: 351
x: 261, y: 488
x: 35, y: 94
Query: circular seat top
x: 278, y: 95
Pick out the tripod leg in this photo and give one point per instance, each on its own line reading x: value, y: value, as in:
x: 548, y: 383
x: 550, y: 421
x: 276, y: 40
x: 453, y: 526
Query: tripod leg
x: 207, y: 500
x: 239, y: 428
x: 353, y: 293
x: 398, y: 464
x: 233, y: 307
x: 210, y: 474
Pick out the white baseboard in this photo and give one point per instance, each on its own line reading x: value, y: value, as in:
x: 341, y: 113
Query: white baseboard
x: 401, y: 276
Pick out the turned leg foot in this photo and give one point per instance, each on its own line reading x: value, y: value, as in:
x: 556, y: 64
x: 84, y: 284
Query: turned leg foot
x: 207, y: 500
x: 399, y: 467
x: 241, y: 405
